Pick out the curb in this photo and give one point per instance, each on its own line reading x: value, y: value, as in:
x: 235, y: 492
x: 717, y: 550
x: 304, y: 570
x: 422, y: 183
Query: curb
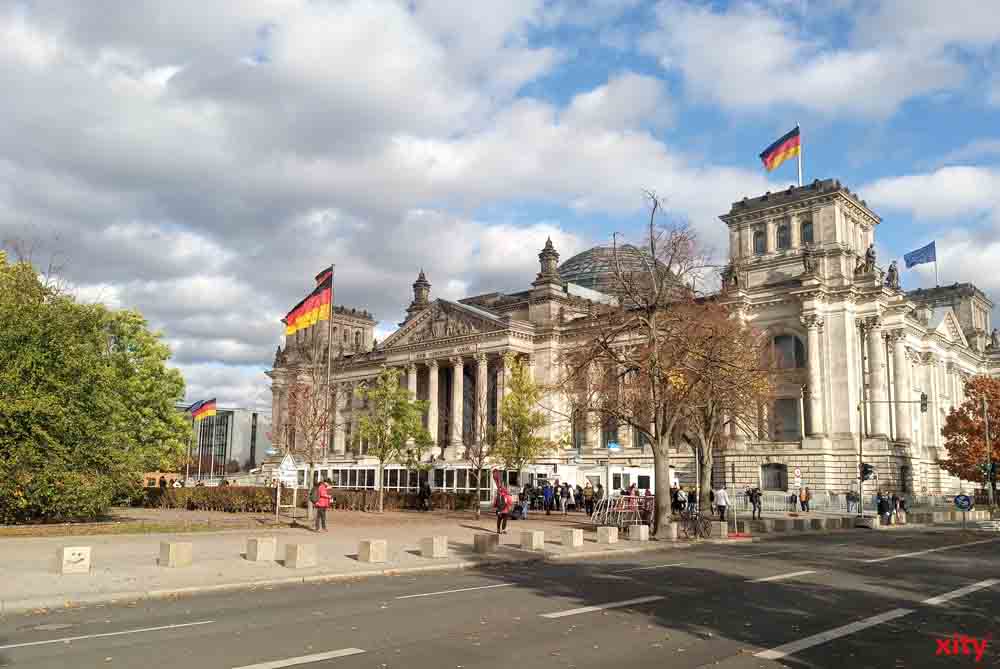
x: 33, y: 604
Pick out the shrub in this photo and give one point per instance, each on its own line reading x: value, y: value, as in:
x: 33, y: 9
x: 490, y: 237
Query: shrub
x: 54, y: 496
x: 254, y: 499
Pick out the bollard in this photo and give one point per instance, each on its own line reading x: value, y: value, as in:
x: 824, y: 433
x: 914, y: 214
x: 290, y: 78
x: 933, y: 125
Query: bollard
x: 607, y: 535
x: 377, y: 550
x: 782, y: 524
x: 533, y: 540
x: 74, y: 560
x: 720, y: 529
x: 817, y: 523
x: 486, y: 543
x: 572, y: 538
x: 744, y: 527
x: 300, y: 556
x: 671, y: 532
x: 262, y: 549
x: 176, y: 554
x: 800, y: 524
x: 638, y: 532
x: 434, y: 547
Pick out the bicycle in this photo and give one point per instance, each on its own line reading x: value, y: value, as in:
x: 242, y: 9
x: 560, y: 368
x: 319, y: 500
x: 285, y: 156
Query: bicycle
x: 694, y: 525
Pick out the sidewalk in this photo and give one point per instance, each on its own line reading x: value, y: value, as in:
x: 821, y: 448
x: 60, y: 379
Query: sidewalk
x: 125, y: 567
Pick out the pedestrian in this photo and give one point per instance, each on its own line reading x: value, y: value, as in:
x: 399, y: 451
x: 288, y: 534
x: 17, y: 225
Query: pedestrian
x: 805, y: 498
x: 755, y: 503
x: 682, y: 499
x: 721, y: 501
x: 564, y: 498
x: 894, y: 506
x: 425, y: 496
x: 525, y: 500
x: 320, y: 498
x: 548, y: 497
x: 578, y: 496
x: 163, y: 482
x: 588, y: 499
x: 503, y: 504
x: 599, y: 492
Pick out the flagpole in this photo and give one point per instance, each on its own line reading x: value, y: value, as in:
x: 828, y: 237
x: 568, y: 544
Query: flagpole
x: 199, y: 459
x: 800, y: 154
x: 936, y: 282
x: 187, y: 467
x: 329, y: 360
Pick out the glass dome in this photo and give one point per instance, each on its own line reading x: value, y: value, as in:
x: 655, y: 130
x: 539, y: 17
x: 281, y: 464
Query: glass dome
x: 595, y: 268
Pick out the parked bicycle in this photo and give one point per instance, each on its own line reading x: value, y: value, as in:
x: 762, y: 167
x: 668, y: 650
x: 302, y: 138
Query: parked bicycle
x: 694, y: 525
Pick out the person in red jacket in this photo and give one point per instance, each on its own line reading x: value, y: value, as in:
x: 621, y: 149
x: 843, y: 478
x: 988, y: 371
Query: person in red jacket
x: 322, y: 503
x: 504, y: 503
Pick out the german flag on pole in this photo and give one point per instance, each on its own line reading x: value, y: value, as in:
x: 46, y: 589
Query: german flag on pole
x: 315, y: 307
x: 202, y: 409
x: 788, y: 146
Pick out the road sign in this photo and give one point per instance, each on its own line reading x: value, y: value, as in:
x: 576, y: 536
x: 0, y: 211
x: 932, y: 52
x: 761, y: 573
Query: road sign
x: 288, y: 474
x: 963, y: 502
x: 798, y: 473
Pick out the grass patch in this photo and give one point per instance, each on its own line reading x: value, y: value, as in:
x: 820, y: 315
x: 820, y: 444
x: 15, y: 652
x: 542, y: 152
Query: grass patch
x: 128, y: 527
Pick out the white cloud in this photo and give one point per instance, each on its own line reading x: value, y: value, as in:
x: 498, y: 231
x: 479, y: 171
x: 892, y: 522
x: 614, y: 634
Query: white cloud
x: 950, y: 192
x: 626, y: 101
x: 751, y: 57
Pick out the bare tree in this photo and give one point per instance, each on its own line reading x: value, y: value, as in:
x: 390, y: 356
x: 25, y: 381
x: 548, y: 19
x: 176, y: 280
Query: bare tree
x: 479, y: 449
x: 631, y: 361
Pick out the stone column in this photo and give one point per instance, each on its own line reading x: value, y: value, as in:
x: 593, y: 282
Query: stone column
x: 457, y: 392
x: 339, y: 445
x: 482, y: 392
x: 814, y: 325
x: 877, y: 409
x: 933, y: 393
x: 411, y: 380
x: 432, y: 401
x: 901, y: 381
x: 502, y: 378
x: 770, y: 240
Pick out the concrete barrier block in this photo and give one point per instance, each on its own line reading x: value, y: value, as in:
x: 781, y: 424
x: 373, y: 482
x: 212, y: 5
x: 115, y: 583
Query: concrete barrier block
x: 434, y: 547
x: 817, y: 523
x: 744, y: 527
x: 176, y: 554
x: 800, y: 524
x: 671, y: 530
x: 607, y: 535
x: 300, y: 556
x: 533, y: 540
x: 782, y: 524
x: 74, y: 560
x: 870, y: 522
x: 262, y: 549
x: 572, y: 538
x: 486, y: 543
x: 720, y: 529
x: 638, y: 532
x: 762, y: 526
x: 376, y: 550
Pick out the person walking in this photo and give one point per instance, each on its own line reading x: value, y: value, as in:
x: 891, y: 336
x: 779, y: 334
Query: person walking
x: 163, y: 483
x: 588, y: 499
x: 756, y: 503
x: 425, y: 496
x: 805, y: 496
x: 503, y: 504
x: 564, y: 498
x: 682, y: 500
x: 547, y: 497
x: 320, y: 497
x: 722, y: 501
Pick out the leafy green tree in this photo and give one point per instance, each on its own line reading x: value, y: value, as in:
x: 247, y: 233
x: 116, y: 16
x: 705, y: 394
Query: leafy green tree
x: 86, y: 401
x: 517, y: 440
x: 393, y: 426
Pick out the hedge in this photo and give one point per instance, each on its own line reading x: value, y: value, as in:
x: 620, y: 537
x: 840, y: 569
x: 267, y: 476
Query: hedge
x: 253, y: 499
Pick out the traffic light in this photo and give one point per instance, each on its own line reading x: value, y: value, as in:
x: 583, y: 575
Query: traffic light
x: 923, y: 402
x: 867, y: 471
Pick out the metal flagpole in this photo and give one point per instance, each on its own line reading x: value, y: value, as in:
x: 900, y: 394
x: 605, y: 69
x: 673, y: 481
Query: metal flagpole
x: 936, y: 282
x: 211, y: 463
x: 199, y: 458
x: 800, y: 154
x: 329, y: 361
x: 187, y: 467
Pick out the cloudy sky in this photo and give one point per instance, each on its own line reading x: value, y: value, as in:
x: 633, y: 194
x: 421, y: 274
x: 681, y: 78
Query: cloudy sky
x: 202, y: 160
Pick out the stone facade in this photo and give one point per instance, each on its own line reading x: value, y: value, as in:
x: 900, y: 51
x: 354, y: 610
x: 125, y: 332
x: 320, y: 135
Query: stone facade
x: 855, y: 352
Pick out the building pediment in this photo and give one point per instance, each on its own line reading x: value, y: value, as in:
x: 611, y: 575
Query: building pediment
x: 442, y: 320
x: 947, y: 326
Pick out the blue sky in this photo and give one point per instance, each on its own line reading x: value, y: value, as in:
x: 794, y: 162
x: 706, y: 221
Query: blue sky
x: 202, y: 160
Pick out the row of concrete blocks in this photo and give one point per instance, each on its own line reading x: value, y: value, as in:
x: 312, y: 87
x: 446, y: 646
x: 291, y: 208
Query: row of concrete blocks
x: 176, y: 554
x: 796, y: 524
x: 928, y: 517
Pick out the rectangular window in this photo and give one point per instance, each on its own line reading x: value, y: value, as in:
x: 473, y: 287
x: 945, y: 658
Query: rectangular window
x: 449, y: 479
x: 616, y: 481
x: 643, y: 482
x: 393, y: 478
x: 774, y: 477
x: 352, y: 478
x: 787, y: 424
x: 302, y: 477
x: 759, y: 243
x: 512, y: 479
x: 438, y: 478
x: 371, y: 478
x: 463, y: 475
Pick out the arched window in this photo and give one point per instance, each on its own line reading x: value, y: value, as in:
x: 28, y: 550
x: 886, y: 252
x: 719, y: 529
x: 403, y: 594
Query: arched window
x: 579, y: 430
x: 759, y: 245
x: 807, y: 232
x: 357, y: 340
x: 784, y: 237
x: 609, y: 431
x: 789, y: 353
x: 347, y: 336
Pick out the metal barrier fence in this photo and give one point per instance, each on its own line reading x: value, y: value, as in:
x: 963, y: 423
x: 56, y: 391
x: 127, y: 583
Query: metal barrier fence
x: 780, y: 502
x: 624, y: 511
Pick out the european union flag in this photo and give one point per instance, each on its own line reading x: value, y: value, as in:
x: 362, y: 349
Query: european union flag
x: 920, y: 256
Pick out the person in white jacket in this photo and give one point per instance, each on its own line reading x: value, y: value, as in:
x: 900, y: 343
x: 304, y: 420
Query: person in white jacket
x: 721, y: 501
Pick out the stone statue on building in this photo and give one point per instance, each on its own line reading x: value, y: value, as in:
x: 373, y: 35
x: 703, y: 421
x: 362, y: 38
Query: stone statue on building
x: 870, y: 258
x: 730, y: 277
x: 995, y: 339
x: 859, y: 265
x: 892, y: 276
x: 808, y: 267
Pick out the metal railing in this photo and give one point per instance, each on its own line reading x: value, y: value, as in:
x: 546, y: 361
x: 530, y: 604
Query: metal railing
x: 624, y: 511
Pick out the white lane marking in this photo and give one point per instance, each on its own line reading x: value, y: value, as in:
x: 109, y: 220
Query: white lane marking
x: 781, y: 577
x: 961, y: 592
x: 787, y: 550
x: 929, y: 550
x: 67, y: 639
x: 655, y: 566
x: 830, y: 635
x: 304, y: 659
x: 448, y: 592
x: 601, y: 607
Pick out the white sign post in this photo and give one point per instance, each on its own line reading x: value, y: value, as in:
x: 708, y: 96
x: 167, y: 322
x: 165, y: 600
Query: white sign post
x: 288, y: 476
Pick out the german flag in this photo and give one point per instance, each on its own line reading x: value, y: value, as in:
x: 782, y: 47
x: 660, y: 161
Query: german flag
x: 314, y: 308
x: 787, y: 147
x: 202, y: 409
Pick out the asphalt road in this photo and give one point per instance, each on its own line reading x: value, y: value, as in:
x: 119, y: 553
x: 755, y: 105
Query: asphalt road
x: 847, y: 600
